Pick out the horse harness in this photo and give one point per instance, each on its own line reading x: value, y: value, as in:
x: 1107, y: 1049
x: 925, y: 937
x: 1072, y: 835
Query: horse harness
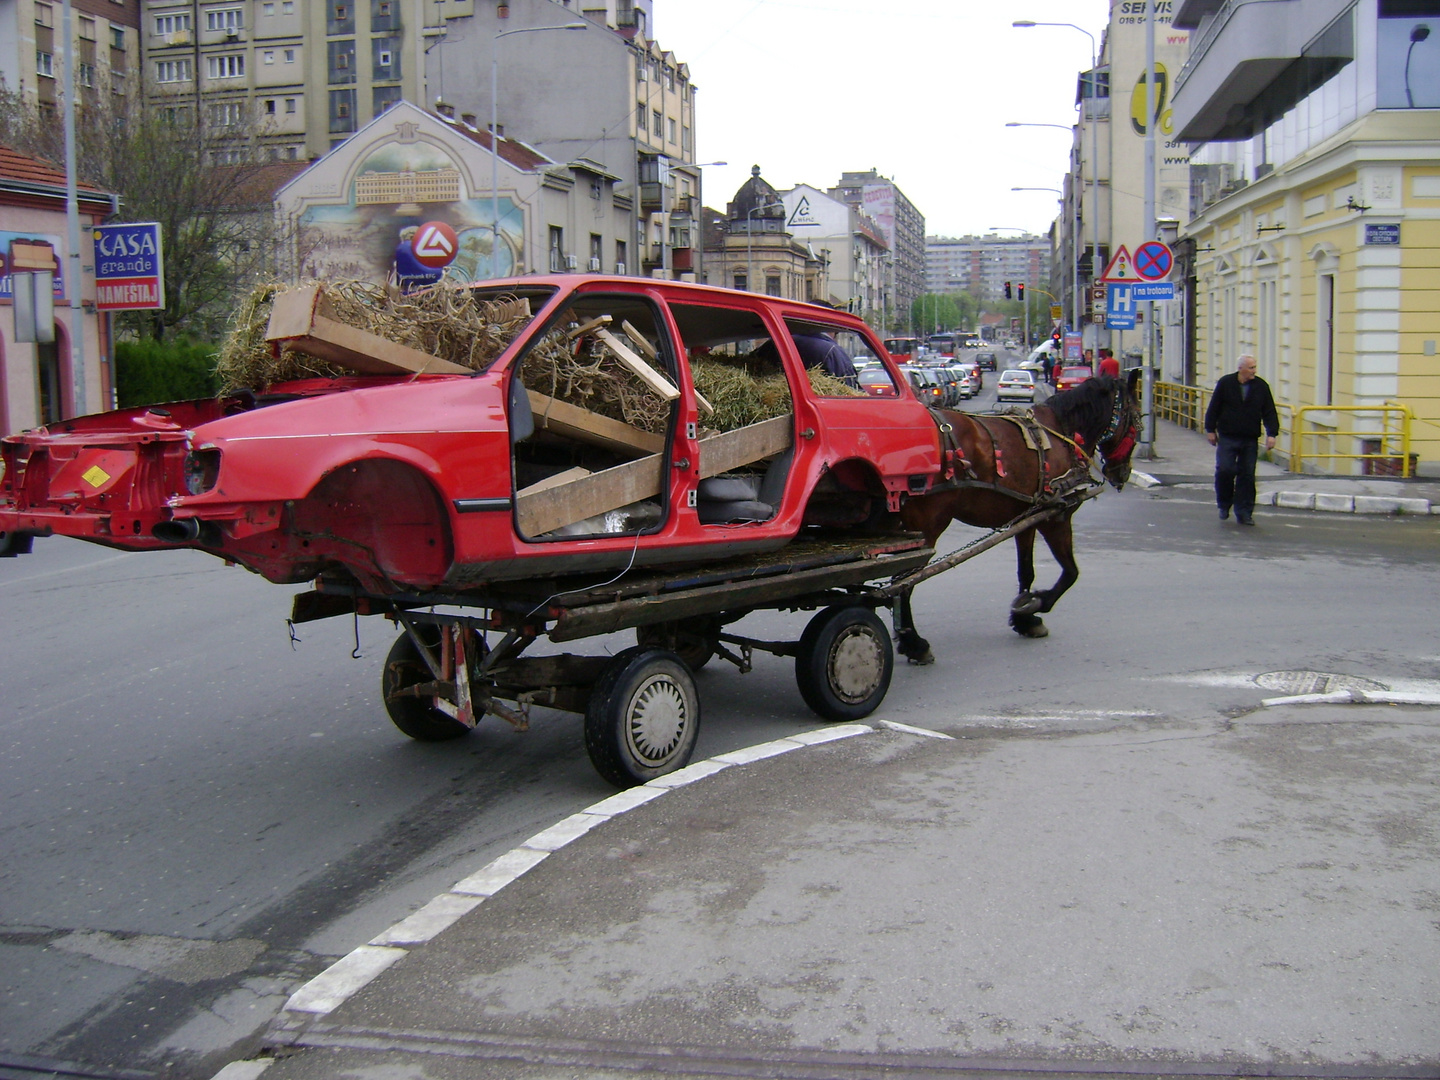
x: 957, y: 472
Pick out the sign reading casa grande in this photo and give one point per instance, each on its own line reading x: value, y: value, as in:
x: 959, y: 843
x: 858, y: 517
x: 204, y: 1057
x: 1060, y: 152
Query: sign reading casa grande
x: 129, y: 269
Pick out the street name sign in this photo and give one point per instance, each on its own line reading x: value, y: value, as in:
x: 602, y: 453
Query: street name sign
x: 129, y: 267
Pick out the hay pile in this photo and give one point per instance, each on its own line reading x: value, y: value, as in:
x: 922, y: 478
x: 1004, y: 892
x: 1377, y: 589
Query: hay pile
x: 584, y: 373
x: 447, y: 321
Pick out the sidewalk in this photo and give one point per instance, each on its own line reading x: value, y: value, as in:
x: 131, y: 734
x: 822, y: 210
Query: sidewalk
x: 1183, y: 458
x: 848, y: 902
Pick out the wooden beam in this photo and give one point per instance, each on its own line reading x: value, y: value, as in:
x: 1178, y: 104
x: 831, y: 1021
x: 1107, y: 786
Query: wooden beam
x: 597, y: 323
x: 559, y: 478
x: 301, y: 320
x: 755, y: 442
x: 659, y: 384
x: 597, y: 493
x: 585, y: 426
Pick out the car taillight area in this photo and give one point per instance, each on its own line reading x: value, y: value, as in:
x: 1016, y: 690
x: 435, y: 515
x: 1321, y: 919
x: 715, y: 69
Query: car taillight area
x: 202, y: 470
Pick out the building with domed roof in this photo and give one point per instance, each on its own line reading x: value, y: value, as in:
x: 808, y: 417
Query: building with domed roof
x: 751, y: 248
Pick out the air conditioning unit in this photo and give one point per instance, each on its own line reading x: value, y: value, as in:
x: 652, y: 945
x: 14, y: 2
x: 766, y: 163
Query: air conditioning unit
x: 571, y: 262
x: 620, y: 268
x: 232, y: 34
x: 594, y: 266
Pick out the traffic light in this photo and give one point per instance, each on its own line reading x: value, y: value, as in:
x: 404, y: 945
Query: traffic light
x: 1007, y: 290
x: 1022, y: 290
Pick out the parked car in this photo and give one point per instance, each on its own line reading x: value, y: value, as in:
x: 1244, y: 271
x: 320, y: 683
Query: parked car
x: 449, y: 477
x: 1072, y: 375
x: 975, y: 373
x: 1015, y: 385
x: 986, y: 361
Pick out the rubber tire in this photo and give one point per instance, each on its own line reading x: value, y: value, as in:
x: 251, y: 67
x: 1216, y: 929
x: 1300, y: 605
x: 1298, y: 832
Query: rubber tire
x: 844, y: 663
x: 641, y: 679
x: 696, y: 648
x: 422, y: 722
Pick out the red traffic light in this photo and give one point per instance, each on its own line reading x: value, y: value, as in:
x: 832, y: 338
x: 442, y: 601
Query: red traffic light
x: 1022, y: 290
x: 1007, y: 290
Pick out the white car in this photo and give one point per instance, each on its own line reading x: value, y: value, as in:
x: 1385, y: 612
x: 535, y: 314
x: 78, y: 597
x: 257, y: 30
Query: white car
x: 1015, y: 386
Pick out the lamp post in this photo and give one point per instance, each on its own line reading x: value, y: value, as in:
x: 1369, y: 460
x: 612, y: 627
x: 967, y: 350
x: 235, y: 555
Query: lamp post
x: 1096, y: 270
x: 495, y: 132
x: 750, y: 239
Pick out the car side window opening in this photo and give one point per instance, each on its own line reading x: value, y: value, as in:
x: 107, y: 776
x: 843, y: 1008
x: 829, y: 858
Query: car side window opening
x: 829, y: 351
x: 592, y: 409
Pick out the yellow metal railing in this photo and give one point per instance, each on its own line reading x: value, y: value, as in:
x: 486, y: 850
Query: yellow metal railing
x: 1385, y: 447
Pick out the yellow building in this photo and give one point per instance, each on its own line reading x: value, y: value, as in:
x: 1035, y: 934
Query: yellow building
x: 1314, y: 242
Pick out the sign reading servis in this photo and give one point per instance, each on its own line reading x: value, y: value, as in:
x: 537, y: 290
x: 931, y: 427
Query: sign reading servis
x: 129, y: 267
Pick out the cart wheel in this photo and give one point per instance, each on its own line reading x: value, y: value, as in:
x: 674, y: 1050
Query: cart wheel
x: 693, y: 641
x: 844, y: 663
x: 415, y: 716
x: 644, y: 716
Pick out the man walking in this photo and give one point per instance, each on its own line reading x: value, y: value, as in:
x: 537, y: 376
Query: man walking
x: 1240, y: 404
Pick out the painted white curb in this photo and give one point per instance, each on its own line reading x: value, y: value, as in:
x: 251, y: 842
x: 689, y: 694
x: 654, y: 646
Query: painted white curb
x: 332, y: 987
x: 1354, y: 697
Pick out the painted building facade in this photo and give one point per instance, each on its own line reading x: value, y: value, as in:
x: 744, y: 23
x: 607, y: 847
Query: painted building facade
x: 849, y: 246
x: 1315, y: 241
x: 351, y: 211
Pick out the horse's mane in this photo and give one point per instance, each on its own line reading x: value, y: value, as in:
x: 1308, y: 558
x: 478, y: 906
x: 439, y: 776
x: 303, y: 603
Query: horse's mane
x: 1086, y: 409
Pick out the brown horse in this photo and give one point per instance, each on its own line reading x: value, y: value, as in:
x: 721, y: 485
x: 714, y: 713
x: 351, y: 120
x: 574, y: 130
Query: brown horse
x: 1000, y: 467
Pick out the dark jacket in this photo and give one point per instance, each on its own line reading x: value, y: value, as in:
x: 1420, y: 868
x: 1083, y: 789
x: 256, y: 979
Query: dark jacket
x: 1235, y: 413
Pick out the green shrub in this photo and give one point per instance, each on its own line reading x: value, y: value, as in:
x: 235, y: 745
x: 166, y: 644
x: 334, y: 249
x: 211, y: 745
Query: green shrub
x: 148, y: 372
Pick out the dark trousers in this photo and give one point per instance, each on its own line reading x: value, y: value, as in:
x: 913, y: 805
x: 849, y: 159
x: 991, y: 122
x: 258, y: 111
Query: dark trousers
x: 1235, y: 474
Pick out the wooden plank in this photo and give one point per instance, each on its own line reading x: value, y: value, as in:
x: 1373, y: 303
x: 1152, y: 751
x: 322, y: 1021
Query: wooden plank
x: 597, y: 323
x: 641, y: 342
x: 755, y: 442
x: 659, y: 384
x: 299, y: 320
x: 585, y: 426
x: 597, y: 493
x: 565, y: 477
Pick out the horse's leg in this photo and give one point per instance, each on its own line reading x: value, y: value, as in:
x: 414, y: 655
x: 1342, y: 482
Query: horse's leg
x: 1061, y: 542
x: 909, y: 642
x: 1023, y: 619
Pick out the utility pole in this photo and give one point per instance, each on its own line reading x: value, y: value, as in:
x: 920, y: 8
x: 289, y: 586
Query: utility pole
x: 1152, y: 118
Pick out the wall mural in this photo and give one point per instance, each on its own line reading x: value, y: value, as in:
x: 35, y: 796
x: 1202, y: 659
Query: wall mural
x: 398, y: 187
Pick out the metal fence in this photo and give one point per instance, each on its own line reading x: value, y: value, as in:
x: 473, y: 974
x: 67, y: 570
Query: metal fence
x: 1378, y: 436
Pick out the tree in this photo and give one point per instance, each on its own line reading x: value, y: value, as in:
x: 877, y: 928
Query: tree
x: 932, y: 311
x: 202, y: 182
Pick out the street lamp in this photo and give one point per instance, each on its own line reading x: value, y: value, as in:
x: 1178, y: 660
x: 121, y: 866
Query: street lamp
x: 495, y: 133
x: 750, y: 239
x: 1096, y: 270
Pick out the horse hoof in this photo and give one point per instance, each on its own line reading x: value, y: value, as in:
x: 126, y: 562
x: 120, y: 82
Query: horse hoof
x: 1027, y: 604
x: 923, y: 660
x: 1039, y: 630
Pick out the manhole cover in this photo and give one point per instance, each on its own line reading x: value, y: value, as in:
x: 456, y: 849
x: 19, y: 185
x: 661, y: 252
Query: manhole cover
x: 1314, y: 682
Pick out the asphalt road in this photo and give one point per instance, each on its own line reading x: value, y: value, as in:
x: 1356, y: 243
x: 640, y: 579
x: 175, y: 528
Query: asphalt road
x: 200, y: 815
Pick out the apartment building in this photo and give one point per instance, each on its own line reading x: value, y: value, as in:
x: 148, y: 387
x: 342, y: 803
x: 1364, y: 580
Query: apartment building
x: 105, y: 41
x: 980, y: 265
x: 1314, y: 242
x: 903, y: 227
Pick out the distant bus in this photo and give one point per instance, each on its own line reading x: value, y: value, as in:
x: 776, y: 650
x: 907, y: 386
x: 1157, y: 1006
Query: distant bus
x: 903, y: 349
x: 942, y: 343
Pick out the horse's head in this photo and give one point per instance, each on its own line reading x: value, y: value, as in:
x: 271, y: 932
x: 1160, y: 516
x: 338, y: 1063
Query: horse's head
x: 1118, y: 441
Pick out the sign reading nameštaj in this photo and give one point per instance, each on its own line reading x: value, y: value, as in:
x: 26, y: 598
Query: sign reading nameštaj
x: 129, y: 267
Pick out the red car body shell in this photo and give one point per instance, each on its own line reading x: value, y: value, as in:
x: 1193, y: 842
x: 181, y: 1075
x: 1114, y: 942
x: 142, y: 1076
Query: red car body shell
x: 407, y: 483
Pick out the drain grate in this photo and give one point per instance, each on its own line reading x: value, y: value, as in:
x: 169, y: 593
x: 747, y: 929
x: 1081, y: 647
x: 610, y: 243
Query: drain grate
x: 1314, y: 682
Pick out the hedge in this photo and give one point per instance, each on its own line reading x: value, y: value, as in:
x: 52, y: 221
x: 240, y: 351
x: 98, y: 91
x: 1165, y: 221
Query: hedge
x: 149, y: 372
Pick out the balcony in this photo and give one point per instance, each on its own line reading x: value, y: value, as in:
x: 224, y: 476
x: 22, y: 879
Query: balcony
x: 1251, y: 60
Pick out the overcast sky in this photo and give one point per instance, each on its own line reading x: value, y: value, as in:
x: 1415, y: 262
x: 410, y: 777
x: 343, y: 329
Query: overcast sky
x: 919, y: 90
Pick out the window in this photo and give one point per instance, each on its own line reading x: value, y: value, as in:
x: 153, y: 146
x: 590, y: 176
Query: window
x: 557, y: 249
x: 639, y: 69
x: 382, y: 97
x: 87, y: 29
x: 270, y: 104
x: 289, y: 56
x: 287, y: 7
x: 772, y: 284
x: 267, y: 10
x: 176, y: 115
x: 670, y: 78
x: 226, y: 113
x: 289, y: 104
x: 85, y: 73
x: 168, y: 71
x: 225, y: 66
x: 685, y: 139
x: 741, y: 282
x: 640, y: 118
x: 117, y: 37
x: 44, y: 63
x: 657, y: 123
x: 225, y: 20
x: 672, y: 129
x: 165, y: 25
x: 44, y: 15
x: 620, y: 257
x: 269, y: 56
x: 341, y: 61
x: 596, y: 248
x: 342, y: 111
x: 386, y: 56
x: 340, y: 17
x: 227, y: 157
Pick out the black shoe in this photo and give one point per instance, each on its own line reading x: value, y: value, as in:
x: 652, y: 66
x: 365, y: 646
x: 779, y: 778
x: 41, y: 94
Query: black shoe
x: 1224, y: 513
x: 1244, y: 520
